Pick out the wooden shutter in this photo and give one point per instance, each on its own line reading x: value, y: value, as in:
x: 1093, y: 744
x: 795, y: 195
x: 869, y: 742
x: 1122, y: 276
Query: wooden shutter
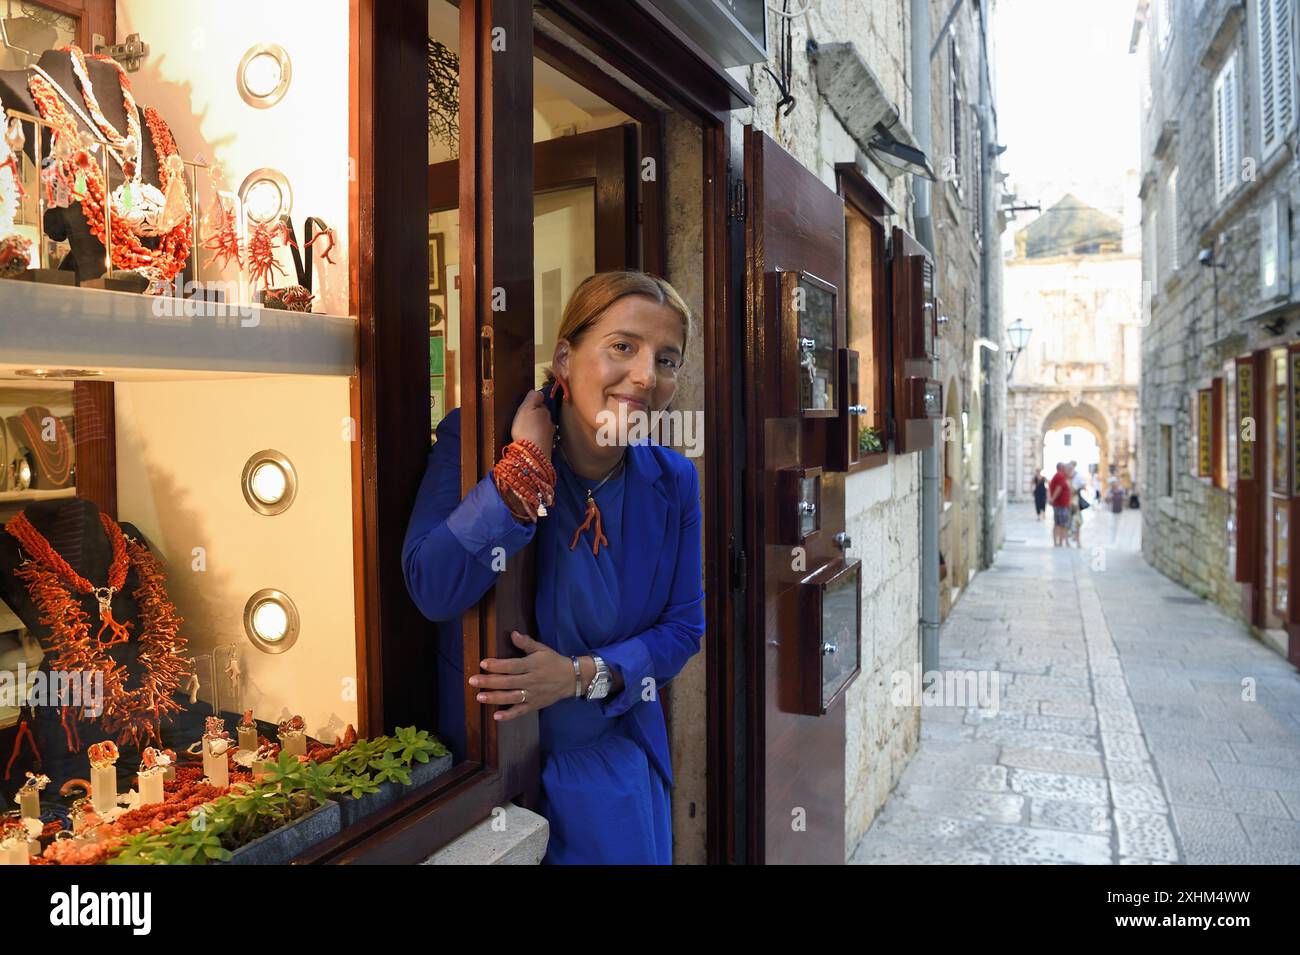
x: 1171, y: 217
x: 1276, y: 67
x: 1227, y: 142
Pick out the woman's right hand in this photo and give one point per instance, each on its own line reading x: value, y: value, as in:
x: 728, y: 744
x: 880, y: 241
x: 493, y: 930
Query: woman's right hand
x: 533, y: 423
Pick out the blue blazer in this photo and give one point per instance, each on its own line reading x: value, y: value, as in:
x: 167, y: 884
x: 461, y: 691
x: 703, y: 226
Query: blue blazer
x: 451, y: 545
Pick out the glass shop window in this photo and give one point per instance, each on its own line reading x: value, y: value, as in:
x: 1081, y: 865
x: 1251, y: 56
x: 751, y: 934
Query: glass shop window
x: 176, y: 486
x: 867, y: 334
x: 193, y: 166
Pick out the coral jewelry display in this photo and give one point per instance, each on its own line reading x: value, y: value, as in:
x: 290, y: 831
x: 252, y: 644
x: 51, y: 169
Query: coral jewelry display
x: 53, y: 457
x: 133, y: 714
x: 137, y: 210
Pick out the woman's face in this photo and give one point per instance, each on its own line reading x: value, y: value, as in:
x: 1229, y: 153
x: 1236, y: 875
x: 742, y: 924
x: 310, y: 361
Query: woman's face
x: 629, y: 358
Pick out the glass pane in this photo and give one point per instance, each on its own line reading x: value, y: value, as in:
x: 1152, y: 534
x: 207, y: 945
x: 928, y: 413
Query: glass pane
x: 31, y: 29
x: 1280, y: 556
x: 564, y: 253
x: 816, y: 346
x: 230, y: 189
x: 840, y: 626
x: 809, y: 505
x: 37, y: 453
x: 1281, y: 450
x: 444, y: 313
x: 860, y: 245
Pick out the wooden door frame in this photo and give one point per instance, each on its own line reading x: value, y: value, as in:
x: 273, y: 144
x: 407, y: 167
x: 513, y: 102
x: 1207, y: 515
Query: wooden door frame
x: 389, y: 264
x: 657, y: 57
x: 603, y: 159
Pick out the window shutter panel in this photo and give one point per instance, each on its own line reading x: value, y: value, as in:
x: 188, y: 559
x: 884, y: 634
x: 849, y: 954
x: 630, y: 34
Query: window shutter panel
x: 1227, y: 155
x: 1267, y: 68
x: 1220, y: 136
x: 1283, y: 82
x: 1232, y: 140
x: 1172, y: 219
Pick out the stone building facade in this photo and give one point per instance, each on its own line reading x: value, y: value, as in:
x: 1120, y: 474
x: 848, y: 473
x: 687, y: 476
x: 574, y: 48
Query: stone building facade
x: 1074, y: 285
x: 1220, y: 181
x: 969, y: 278
x: 882, y: 504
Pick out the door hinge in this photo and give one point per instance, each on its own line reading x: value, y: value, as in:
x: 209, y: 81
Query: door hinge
x: 738, y: 200
x: 739, y: 567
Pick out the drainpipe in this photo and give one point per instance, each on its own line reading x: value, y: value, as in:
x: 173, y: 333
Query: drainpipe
x: 930, y: 477
x: 994, y: 384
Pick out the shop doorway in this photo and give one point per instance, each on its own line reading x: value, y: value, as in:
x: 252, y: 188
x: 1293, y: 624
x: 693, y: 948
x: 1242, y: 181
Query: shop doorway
x: 584, y: 221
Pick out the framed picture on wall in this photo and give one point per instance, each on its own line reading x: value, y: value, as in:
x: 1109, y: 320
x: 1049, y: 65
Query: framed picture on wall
x: 437, y: 258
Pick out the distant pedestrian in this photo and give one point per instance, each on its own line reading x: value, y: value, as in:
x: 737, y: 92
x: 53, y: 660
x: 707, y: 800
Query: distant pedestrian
x: 1116, y: 497
x: 1040, y: 493
x: 1059, y: 493
x: 1077, y: 501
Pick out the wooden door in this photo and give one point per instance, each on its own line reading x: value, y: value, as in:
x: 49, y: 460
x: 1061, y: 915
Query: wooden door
x: 794, y: 237
x: 604, y: 160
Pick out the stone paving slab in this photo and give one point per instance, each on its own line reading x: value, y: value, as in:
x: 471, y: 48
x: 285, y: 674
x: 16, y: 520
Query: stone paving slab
x: 1123, y: 733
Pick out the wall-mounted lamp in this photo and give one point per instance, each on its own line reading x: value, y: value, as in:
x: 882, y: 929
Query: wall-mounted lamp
x: 264, y: 74
x: 1206, y: 258
x: 269, y: 482
x: 1018, y: 334
x: 271, y: 621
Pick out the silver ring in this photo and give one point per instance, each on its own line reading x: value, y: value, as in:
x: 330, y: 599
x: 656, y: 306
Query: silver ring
x: 524, y: 696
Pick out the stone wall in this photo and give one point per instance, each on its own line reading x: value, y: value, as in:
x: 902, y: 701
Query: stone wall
x: 1188, y: 337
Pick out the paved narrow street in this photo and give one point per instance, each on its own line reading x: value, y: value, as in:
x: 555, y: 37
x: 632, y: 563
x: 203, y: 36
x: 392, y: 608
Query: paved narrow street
x: 1123, y: 730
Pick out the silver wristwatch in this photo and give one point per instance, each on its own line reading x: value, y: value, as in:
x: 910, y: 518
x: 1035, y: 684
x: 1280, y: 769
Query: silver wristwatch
x: 599, y: 688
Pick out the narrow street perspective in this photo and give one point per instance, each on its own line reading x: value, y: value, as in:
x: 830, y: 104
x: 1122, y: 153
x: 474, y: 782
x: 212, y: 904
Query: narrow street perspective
x: 1134, y: 722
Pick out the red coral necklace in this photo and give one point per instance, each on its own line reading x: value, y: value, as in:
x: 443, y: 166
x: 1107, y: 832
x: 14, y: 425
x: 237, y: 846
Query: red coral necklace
x: 128, y: 251
x: 135, y: 714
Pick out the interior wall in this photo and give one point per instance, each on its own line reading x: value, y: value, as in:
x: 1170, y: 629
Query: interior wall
x: 189, y: 77
x: 181, y: 449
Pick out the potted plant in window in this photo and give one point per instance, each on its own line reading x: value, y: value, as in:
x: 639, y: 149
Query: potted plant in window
x: 374, y: 773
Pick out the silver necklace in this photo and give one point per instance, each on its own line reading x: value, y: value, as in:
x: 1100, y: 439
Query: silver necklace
x: 592, y: 490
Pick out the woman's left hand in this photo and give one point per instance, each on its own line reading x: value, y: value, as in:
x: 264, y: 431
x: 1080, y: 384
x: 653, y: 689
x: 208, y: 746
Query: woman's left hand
x: 546, y: 676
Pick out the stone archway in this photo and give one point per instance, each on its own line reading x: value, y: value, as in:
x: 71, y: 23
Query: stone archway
x: 1110, y: 414
x: 1086, y: 416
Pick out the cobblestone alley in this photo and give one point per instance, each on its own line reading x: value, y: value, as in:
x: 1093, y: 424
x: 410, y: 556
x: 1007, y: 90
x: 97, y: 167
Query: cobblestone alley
x: 1121, y: 734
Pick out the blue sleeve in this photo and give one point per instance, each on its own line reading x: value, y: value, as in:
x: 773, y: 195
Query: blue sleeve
x: 659, y: 653
x: 451, y: 545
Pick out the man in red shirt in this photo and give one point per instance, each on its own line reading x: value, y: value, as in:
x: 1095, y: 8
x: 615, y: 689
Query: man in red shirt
x: 1058, y: 492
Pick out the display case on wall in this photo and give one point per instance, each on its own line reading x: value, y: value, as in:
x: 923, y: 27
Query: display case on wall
x: 830, y: 636
x: 801, y: 504
x: 809, y: 346
x: 917, y: 394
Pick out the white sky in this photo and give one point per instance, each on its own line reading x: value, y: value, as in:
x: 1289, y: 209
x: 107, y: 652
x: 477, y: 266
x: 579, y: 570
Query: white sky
x: 1068, y: 97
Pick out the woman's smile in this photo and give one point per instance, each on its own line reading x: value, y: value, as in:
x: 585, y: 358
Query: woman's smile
x: 633, y: 403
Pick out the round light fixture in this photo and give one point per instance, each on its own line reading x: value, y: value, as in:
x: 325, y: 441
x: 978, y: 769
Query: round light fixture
x: 269, y: 482
x: 271, y: 621
x: 266, y: 195
x: 264, y: 75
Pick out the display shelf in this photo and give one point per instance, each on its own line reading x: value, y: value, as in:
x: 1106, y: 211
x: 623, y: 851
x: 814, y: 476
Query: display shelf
x: 136, y: 337
x: 23, y: 497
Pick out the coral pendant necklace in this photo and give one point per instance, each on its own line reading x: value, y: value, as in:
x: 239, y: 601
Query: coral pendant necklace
x: 592, y: 513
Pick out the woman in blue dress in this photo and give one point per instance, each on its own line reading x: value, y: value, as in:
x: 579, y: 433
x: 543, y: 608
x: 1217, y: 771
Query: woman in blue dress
x: 620, y: 601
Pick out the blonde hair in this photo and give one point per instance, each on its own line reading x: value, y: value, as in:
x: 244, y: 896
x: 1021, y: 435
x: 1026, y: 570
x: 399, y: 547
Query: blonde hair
x: 598, y: 292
